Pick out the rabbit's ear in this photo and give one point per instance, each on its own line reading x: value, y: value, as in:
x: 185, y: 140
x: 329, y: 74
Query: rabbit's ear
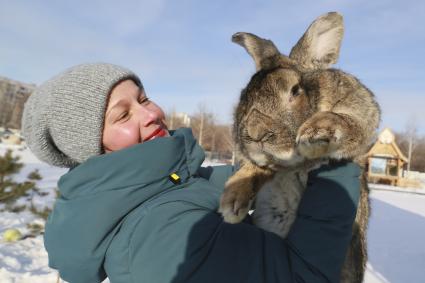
x: 320, y: 44
x: 259, y: 48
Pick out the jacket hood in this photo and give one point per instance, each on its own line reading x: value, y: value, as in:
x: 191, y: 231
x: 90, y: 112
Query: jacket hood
x: 97, y: 195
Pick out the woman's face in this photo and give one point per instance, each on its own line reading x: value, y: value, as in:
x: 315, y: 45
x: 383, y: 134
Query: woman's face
x: 131, y: 118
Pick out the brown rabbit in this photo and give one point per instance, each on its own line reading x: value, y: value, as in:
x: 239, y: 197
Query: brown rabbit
x: 294, y: 115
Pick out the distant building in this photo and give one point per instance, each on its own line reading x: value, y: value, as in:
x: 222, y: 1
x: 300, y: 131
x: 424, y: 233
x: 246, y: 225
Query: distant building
x: 185, y: 118
x: 386, y: 162
x: 177, y: 120
x: 13, y: 95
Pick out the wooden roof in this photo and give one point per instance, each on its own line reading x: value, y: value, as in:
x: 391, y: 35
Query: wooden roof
x: 385, y: 146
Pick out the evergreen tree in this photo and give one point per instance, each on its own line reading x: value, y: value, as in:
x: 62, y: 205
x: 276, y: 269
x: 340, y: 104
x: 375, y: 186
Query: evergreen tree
x: 10, y: 191
x: 9, y: 165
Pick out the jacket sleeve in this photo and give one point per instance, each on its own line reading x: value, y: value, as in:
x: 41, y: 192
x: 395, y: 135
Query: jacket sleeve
x: 319, y: 238
x: 316, y: 246
x: 217, y: 175
x: 215, y: 251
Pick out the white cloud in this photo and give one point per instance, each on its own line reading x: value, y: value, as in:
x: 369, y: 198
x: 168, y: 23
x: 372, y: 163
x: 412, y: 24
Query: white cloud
x: 41, y: 41
x: 124, y: 17
x: 183, y: 52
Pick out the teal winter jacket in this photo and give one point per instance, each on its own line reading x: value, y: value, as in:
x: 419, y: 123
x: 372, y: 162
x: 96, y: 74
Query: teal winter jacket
x: 120, y: 215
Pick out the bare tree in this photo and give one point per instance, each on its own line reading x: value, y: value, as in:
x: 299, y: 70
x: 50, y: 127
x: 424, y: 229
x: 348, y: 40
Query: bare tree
x: 215, y: 138
x: 223, y: 141
x: 411, y: 132
x: 413, y: 146
x: 203, y: 125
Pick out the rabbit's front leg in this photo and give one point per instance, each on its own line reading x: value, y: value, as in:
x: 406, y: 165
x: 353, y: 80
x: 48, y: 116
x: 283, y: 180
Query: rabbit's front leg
x: 240, y: 190
x: 328, y: 134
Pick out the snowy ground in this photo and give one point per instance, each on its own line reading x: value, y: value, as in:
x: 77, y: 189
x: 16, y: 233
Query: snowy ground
x: 396, y: 234
x: 396, y: 237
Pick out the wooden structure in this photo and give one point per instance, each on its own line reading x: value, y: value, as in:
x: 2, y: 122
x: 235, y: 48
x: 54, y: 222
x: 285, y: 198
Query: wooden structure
x: 385, y: 160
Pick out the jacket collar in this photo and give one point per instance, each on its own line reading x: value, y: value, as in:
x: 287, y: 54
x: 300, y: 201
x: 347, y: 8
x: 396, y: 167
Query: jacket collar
x: 141, y: 164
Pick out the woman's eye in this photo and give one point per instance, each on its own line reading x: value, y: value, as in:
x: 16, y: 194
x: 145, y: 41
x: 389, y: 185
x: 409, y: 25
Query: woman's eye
x: 123, y: 116
x: 144, y: 100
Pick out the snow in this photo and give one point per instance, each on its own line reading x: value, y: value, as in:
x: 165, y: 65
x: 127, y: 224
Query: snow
x: 396, y: 237
x: 396, y: 233
x: 25, y: 261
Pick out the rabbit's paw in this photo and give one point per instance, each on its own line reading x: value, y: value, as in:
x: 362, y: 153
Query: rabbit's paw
x: 236, y: 200
x: 319, y: 136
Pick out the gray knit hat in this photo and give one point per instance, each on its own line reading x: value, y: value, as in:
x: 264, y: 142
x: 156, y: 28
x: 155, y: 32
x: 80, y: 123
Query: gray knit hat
x: 63, y: 119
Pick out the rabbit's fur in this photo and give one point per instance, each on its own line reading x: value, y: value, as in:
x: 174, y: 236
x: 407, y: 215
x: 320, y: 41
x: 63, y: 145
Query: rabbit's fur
x: 294, y: 115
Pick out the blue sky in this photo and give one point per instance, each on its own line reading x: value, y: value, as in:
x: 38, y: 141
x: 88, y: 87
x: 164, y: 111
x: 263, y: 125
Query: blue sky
x: 183, y: 53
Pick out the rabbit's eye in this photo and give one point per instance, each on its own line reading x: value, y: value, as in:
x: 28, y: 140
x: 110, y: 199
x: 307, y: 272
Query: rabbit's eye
x: 267, y: 136
x: 295, y: 90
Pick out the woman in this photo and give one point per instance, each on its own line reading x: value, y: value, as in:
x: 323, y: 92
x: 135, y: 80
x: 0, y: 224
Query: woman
x: 136, y: 205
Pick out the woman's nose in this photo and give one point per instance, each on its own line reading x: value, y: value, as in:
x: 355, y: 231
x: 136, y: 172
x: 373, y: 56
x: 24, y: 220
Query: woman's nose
x: 148, y: 115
